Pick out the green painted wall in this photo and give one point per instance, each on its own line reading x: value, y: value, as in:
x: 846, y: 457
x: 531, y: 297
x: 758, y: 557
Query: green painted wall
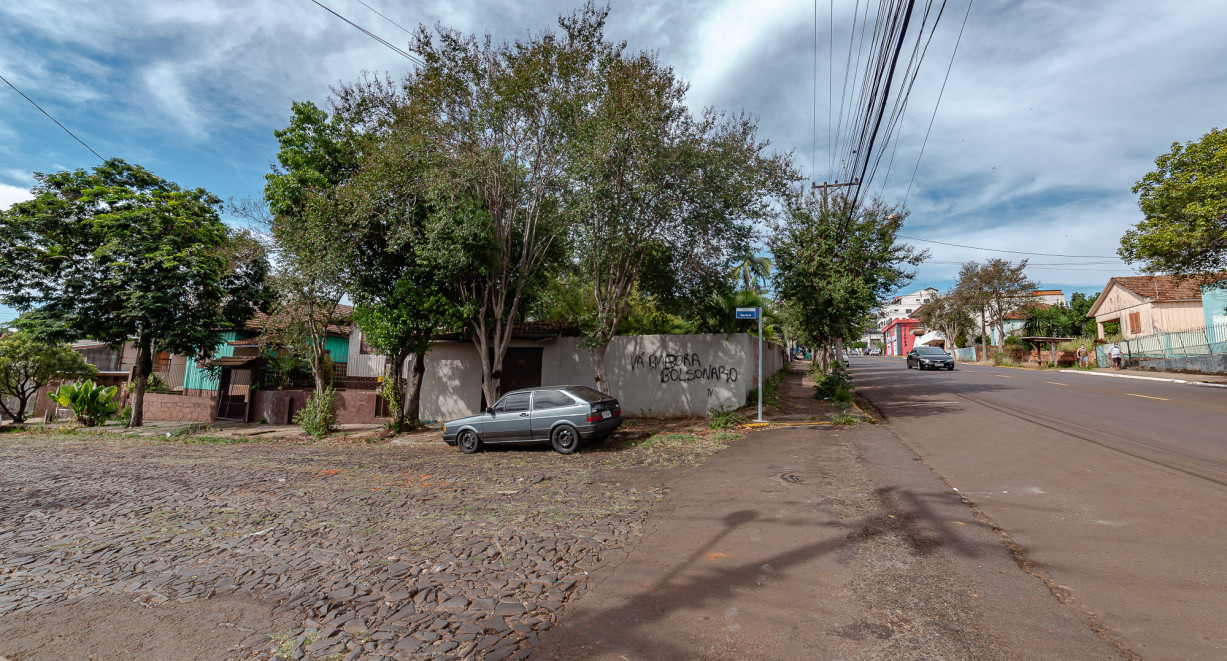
x: 338, y: 348
x: 195, y: 378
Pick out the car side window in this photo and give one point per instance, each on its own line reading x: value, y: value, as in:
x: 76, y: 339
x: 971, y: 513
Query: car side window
x: 513, y: 403
x: 550, y: 399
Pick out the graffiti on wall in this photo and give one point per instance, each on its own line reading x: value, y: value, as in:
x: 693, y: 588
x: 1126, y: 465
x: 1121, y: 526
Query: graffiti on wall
x: 682, y: 367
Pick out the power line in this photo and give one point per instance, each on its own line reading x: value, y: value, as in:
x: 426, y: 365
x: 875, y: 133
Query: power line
x: 1014, y: 252
x: 938, y: 104
x: 403, y: 28
x: 403, y: 53
x: 57, y: 122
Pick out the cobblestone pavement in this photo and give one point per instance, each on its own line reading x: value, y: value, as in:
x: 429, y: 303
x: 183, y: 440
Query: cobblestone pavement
x: 345, y: 550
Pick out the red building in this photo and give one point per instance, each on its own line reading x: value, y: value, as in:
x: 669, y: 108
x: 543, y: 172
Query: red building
x: 898, y: 336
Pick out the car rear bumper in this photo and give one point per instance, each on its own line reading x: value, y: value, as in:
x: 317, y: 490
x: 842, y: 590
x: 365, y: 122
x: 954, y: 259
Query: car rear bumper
x: 598, y: 429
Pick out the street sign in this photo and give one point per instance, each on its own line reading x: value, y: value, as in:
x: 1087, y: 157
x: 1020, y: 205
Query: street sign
x: 747, y: 313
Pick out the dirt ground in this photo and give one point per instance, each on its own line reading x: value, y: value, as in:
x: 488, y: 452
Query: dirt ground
x: 215, y: 545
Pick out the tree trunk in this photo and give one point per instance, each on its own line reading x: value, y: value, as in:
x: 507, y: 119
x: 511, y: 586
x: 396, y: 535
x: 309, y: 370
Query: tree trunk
x: 391, y: 378
x: 598, y: 367
x: 413, y: 397
x: 322, y: 380
x: 837, y: 345
x: 144, y: 365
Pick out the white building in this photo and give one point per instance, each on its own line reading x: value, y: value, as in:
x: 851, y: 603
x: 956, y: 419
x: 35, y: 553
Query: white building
x: 902, y: 307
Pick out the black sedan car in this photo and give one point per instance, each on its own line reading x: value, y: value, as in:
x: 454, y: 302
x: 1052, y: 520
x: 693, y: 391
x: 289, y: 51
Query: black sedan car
x: 929, y: 358
x: 559, y: 415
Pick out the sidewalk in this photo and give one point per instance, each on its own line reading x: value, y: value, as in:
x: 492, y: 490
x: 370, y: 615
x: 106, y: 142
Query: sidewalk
x: 826, y: 543
x: 1150, y: 374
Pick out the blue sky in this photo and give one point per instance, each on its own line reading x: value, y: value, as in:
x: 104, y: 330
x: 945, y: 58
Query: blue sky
x: 1052, y: 111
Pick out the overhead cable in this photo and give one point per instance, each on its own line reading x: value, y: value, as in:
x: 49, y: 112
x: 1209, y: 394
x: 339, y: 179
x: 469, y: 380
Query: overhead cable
x: 57, y: 122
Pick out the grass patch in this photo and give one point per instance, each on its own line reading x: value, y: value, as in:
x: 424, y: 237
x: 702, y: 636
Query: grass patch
x: 665, y: 440
x: 724, y: 418
x: 207, y: 439
x: 726, y: 436
x: 845, y: 418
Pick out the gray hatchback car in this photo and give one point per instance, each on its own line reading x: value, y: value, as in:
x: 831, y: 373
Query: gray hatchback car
x: 559, y: 415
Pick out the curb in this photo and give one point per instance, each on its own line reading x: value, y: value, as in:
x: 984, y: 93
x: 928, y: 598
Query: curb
x: 1149, y: 378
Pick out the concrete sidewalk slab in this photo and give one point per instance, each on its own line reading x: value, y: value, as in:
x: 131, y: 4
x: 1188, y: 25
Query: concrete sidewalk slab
x: 828, y: 543
x: 1168, y: 377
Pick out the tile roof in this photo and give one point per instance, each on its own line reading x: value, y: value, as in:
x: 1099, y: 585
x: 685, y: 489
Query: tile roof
x: 1162, y: 287
x: 260, y: 321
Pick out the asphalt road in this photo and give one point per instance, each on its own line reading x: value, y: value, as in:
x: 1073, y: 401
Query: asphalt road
x: 1113, y: 491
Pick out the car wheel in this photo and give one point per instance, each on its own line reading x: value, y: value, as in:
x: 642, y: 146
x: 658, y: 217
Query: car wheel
x: 468, y: 442
x: 564, y: 439
x: 950, y: 369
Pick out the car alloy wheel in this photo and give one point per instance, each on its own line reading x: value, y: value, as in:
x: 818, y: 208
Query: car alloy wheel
x: 564, y: 439
x: 468, y: 442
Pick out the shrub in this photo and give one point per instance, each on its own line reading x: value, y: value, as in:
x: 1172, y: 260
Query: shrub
x: 1000, y: 359
x: 845, y: 418
x: 92, y: 405
x: 843, y: 395
x: 723, y: 418
x: 317, y: 418
x: 834, y: 380
x: 155, y: 383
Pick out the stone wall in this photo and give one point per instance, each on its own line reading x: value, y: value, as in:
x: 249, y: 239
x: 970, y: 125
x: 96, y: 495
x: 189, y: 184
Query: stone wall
x: 277, y: 407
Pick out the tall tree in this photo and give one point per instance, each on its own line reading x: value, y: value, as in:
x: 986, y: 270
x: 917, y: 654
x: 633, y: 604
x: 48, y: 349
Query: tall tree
x: 317, y: 155
x: 646, y: 173
x: 497, y: 116
x: 27, y: 364
x: 1184, y: 201
x: 993, y: 290
x: 946, y: 313
x: 750, y: 270
x: 834, y: 263
x: 119, y: 254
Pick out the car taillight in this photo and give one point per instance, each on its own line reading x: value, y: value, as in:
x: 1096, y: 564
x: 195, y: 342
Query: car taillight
x: 618, y: 411
x: 594, y: 417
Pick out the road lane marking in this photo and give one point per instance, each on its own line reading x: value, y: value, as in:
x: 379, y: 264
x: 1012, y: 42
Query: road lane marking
x: 1002, y: 376
x: 1148, y: 397
x: 1057, y: 384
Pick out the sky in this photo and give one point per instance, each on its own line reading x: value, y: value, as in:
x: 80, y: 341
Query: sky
x: 1052, y: 110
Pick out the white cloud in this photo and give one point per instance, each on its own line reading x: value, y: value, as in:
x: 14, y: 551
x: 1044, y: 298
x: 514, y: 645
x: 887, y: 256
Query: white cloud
x: 10, y: 195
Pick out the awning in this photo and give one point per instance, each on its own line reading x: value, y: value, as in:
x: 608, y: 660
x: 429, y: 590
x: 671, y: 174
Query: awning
x: 237, y: 362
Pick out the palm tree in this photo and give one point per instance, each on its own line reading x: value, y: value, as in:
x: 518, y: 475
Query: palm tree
x: 750, y: 271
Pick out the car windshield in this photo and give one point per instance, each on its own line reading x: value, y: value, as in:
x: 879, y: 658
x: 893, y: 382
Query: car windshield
x: 930, y: 351
x: 587, y: 394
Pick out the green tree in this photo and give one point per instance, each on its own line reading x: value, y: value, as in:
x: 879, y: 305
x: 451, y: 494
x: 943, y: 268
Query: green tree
x: 496, y: 118
x: 1184, y: 201
x: 646, y: 173
x: 317, y: 155
x: 835, y: 263
x: 946, y: 313
x: 119, y: 254
x: 750, y: 270
x: 27, y: 364
x: 992, y: 290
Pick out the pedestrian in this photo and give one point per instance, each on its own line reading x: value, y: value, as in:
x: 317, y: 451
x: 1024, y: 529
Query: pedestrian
x: 1084, y: 358
x: 1114, y: 354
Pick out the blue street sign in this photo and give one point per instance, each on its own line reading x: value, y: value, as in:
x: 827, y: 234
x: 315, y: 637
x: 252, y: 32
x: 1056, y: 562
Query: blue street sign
x: 747, y: 313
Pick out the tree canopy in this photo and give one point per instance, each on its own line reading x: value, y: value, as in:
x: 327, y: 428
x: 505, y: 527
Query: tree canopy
x: 27, y: 364
x: 118, y: 254
x: 1184, y: 201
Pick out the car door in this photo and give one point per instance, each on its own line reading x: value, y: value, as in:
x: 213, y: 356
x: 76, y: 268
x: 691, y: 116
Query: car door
x: 511, y: 421
x: 548, y: 407
x: 911, y: 358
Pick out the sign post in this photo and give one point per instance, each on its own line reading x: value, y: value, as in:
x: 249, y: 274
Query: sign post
x: 756, y: 313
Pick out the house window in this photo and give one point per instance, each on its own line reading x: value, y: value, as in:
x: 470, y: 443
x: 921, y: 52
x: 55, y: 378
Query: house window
x: 1135, y: 323
x: 908, y: 311
x: 363, y: 347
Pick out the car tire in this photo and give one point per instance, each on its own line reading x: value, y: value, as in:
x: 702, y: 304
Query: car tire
x: 950, y: 369
x: 565, y: 439
x: 468, y: 442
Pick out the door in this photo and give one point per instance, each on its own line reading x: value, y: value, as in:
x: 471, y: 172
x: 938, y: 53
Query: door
x: 521, y: 369
x: 549, y: 406
x: 511, y: 421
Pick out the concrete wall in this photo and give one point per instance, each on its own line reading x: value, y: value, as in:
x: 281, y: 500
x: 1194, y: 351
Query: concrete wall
x: 657, y: 375
x: 179, y: 408
x: 277, y: 407
x: 1214, y: 364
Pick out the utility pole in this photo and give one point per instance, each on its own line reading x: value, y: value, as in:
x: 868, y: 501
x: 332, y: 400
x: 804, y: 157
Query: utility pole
x: 825, y: 186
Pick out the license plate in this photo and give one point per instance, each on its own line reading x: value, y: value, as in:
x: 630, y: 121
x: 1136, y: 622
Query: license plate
x: 606, y: 414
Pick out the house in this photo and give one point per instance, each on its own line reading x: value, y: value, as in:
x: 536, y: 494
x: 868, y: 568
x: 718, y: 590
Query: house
x: 1015, y: 320
x: 900, y: 307
x: 1150, y: 304
x: 899, y: 336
